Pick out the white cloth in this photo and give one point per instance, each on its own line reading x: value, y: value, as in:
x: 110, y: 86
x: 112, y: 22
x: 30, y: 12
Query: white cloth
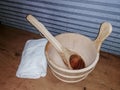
x: 33, y: 63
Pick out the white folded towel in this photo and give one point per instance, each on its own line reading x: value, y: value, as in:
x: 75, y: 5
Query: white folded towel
x: 33, y: 63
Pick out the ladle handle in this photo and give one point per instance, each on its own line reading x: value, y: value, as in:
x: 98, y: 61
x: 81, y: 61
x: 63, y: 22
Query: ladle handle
x: 45, y: 32
x: 105, y: 31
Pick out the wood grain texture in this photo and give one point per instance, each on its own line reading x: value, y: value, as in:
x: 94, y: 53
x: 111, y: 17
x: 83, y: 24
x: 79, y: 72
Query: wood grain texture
x: 106, y: 75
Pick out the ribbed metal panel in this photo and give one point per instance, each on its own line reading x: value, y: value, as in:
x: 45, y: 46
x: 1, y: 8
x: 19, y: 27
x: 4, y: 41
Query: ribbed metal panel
x: 59, y: 16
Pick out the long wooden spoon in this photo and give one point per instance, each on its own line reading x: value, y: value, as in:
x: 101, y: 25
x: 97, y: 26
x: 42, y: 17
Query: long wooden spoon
x: 70, y: 58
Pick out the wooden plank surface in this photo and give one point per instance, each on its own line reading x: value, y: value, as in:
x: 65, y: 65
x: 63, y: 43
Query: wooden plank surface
x: 106, y: 75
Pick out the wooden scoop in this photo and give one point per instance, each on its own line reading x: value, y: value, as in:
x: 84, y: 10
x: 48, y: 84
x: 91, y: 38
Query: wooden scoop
x: 70, y: 58
x: 105, y: 31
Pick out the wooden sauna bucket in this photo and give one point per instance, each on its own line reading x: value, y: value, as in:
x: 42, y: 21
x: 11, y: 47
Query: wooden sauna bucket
x: 81, y: 45
x: 85, y: 47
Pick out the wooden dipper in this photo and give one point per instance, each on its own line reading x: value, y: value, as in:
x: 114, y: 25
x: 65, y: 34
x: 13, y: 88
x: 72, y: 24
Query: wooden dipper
x: 70, y: 58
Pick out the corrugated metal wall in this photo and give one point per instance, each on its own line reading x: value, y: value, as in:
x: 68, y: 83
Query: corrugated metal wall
x: 79, y: 16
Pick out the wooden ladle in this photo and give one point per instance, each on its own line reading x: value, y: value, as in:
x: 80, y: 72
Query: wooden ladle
x: 70, y: 58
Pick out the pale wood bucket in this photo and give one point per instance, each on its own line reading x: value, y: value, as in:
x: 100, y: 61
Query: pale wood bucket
x: 84, y: 46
